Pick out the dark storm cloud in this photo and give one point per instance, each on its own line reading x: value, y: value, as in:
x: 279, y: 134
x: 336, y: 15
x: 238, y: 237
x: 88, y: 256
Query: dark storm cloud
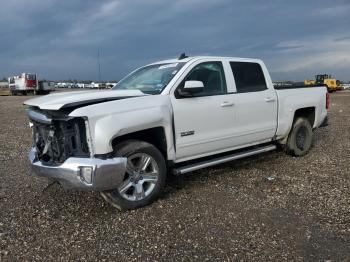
x: 342, y: 38
x: 60, y: 39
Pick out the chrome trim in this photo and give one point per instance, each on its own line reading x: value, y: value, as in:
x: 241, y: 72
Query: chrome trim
x: 107, y: 173
x: 224, y: 159
x: 38, y: 117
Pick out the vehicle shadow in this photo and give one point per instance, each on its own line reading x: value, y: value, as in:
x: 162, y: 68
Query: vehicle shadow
x: 211, y: 174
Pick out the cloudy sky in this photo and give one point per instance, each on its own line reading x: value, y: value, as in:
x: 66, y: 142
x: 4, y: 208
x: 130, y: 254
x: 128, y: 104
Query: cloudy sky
x: 59, y: 39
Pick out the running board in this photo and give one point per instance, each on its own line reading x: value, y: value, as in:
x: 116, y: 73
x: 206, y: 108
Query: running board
x: 224, y: 159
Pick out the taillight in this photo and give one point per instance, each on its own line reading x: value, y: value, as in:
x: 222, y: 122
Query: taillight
x: 327, y: 100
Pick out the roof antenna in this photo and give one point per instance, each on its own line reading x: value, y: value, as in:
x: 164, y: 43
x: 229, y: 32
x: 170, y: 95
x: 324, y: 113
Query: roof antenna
x: 182, y: 56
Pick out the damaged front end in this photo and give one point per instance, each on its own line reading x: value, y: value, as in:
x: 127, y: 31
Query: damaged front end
x: 62, y: 151
x: 56, y: 138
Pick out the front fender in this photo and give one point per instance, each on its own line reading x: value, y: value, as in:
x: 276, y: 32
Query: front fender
x: 112, y: 126
x: 113, y: 119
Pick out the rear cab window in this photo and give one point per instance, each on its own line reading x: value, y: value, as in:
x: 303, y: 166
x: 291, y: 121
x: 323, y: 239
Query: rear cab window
x: 249, y: 77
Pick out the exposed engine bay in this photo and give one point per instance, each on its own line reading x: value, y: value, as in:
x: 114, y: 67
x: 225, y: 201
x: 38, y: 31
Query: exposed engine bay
x: 59, y: 138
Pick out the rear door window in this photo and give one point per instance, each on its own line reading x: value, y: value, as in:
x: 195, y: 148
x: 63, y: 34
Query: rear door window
x: 249, y: 77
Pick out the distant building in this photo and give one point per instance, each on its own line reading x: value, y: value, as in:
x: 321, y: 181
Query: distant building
x: 4, y: 84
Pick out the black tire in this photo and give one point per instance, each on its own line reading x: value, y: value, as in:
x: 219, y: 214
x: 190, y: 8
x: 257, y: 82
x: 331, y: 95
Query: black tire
x: 129, y: 149
x: 300, y: 137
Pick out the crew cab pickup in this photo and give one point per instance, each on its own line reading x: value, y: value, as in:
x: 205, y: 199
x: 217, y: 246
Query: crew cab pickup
x: 173, y: 116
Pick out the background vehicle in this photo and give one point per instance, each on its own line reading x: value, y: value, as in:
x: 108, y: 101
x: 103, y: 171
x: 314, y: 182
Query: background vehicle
x: 309, y: 82
x: 325, y: 79
x: 174, y: 116
x: 24, y: 83
x: 29, y: 83
x: 44, y: 87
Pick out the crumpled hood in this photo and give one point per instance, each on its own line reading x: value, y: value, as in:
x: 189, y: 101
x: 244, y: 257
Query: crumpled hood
x: 80, y: 98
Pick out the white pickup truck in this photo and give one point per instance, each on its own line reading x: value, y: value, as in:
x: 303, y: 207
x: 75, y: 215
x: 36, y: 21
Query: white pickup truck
x: 173, y: 116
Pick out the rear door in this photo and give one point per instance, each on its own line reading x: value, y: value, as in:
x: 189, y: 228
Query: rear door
x: 255, y: 104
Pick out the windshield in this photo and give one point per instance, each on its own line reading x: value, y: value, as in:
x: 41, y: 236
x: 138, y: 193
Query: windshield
x: 150, y: 79
x: 30, y: 77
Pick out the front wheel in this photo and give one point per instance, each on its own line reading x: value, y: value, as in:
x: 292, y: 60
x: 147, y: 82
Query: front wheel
x: 300, y: 138
x: 144, y: 177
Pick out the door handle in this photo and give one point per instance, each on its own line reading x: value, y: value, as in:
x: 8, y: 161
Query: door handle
x: 226, y: 104
x: 269, y: 99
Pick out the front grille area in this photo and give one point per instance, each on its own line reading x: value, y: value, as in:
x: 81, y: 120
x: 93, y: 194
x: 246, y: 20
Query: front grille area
x: 59, y: 140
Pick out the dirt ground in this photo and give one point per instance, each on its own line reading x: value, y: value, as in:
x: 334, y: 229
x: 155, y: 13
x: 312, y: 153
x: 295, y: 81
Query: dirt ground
x: 225, y: 213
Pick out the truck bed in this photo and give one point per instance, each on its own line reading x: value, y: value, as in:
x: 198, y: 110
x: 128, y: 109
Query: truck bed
x: 293, y: 97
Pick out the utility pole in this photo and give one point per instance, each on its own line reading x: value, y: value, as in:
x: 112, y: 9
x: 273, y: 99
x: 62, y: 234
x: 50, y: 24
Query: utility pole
x: 99, y: 65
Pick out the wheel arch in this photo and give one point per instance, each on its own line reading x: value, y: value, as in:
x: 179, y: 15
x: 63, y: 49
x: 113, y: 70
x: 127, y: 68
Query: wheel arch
x: 306, y: 112
x: 155, y: 136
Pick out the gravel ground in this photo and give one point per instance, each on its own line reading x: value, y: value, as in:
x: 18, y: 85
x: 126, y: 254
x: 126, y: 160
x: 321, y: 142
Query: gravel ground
x: 229, y: 212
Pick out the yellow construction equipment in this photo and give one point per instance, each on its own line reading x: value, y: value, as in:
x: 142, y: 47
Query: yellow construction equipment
x: 325, y: 79
x: 309, y: 82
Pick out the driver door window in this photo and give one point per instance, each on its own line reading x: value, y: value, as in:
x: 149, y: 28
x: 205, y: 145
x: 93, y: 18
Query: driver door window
x: 213, y: 78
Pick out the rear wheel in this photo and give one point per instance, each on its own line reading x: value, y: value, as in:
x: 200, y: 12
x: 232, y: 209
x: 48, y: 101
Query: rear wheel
x: 300, y: 137
x: 144, y: 177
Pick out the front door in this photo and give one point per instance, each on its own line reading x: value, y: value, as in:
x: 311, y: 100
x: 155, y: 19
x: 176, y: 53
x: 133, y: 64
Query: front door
x: 204, y: 121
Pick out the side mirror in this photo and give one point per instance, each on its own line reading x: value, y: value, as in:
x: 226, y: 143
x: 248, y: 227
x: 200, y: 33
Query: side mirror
x: 193, y: 87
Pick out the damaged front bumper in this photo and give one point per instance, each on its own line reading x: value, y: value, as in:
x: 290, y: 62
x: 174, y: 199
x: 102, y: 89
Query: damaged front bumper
x: 82, y: 173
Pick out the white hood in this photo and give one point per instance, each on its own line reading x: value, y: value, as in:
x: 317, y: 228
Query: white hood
x: 66, y: 99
